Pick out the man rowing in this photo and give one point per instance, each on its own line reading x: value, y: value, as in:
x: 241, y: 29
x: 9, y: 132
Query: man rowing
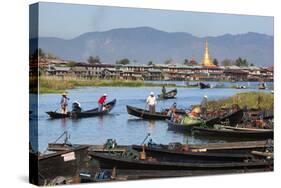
x: 101, y: 102
x: 151, y: 101
x: 64, y: 103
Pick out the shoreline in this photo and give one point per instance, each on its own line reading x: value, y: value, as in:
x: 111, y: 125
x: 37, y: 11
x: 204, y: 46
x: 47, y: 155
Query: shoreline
x: 55, y: 84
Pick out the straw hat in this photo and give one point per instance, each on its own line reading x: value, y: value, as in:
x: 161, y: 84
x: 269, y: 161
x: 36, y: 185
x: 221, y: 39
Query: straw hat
x: 105, y: 94
x: 151, y: 93
x: 196, y: 110
x: 64, y: 94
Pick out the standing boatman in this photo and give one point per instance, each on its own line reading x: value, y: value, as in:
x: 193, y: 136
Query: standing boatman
x: 64, y: 103
x: 151, y: 101
x: 163, y: 90
x: 101, y: 101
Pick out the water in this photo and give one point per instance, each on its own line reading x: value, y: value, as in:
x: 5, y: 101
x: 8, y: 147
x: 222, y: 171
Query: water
x: 119, y: 124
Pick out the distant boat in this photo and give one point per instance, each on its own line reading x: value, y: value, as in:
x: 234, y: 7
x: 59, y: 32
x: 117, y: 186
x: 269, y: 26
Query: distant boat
x: 168, y: 95
x: 204, y: 86
x: 241, y: 87
x: 262, y: 86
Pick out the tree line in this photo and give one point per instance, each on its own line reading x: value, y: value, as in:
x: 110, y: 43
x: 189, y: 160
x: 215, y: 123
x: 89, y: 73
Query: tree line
x: 240, y: 62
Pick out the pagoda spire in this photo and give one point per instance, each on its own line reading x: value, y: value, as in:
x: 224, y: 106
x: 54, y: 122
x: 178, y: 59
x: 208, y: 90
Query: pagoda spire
x: 207, y: 60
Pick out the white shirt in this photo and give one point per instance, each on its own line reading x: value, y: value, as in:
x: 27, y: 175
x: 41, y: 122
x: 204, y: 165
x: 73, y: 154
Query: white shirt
x: 151, y: 100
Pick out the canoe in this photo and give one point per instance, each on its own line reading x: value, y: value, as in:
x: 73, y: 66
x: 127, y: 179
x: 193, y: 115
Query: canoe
x: 168, y: 95
x: 145, y: 114
x: 204, y: 86
x: 251, y: 134
x: 233, y: 118
x: 162, y: 153
x: 64, y: 163
x: 84, y: 114
x: 188, y: 127
x: 109, y: 161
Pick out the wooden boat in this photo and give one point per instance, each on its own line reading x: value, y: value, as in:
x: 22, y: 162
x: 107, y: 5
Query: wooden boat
x: 253, y: 134
x: 145, y: 114
x: 188, y: 127
x: 233, y: 118
x: 109, y: 161
x: 163, y: 152
x: 216, y: 147
x: 241, y: 87
x: 64, y: 163
x: 204, y: 86
x: 168, y: 95
x: 84, y: 114
x: 262, y: 86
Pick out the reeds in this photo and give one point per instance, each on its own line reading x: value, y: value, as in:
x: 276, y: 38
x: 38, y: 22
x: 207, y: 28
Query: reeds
x: 250, y: 99
x: 55, y: 84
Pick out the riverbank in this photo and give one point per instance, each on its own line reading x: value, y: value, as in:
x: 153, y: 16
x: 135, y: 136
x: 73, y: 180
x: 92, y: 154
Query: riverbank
x: 54, y: 84
x: 250, y: 99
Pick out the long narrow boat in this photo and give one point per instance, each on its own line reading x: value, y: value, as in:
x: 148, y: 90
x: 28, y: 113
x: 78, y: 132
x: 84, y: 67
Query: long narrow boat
x: 234, y: 133
x: 163, y: 153
x: 145, y: 114
x: 109, y: 161
x: 168, y: 95
x: 188, y: 127
x: 204, y: 86
x: 83, y: 114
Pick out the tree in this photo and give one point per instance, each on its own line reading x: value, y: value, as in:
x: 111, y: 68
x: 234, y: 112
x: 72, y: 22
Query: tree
x: 41, y: 53
x: 226, y: 62
x: 94, y: 60
x: 185, y: 62
x: 150, y: 63
x: 123, y: 61
x: 168, y: 61
x: 215, y: 62
x: 241, y: 62
x: 71, y: 63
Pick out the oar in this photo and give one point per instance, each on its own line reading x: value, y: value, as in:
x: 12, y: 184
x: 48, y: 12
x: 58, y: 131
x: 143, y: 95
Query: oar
x: 57, y: 109
x: 144, y: 109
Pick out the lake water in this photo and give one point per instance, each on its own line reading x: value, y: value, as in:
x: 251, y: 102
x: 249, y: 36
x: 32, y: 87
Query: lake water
x: 119, y: 124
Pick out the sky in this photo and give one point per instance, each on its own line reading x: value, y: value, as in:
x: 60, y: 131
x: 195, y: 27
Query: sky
x: 69, y: 21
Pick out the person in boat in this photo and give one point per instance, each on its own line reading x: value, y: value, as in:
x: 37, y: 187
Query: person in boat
x: 171, y: 110
x: 203, y: 106
x: 101, y: 101
x: 76, y: 107
x: 64, y: 103
x: 151, y: 101
x: 163, y: 91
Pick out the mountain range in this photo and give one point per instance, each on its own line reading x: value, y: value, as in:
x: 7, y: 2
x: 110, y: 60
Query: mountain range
x: 143, y: 44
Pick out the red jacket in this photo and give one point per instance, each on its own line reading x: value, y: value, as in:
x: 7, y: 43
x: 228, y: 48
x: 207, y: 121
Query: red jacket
x: 101, y: 99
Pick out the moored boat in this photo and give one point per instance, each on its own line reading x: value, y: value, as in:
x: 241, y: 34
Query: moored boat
x: 234, y: 133
x: 145, y: 114
x: 110, y: 161
x: 204, y: 86
x: 59, y: 164
x: 188, y: 127
x: 233, y: 118
x: 83, y: 114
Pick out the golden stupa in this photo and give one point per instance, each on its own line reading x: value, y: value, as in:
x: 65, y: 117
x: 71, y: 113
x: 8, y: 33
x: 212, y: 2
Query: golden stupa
x: 207, y: 60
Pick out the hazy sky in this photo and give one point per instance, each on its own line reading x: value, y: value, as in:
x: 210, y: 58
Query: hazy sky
x: 68, y: 21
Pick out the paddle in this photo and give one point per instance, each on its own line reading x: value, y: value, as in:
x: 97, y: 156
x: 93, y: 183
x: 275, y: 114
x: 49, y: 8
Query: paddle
x: 144, y: 109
